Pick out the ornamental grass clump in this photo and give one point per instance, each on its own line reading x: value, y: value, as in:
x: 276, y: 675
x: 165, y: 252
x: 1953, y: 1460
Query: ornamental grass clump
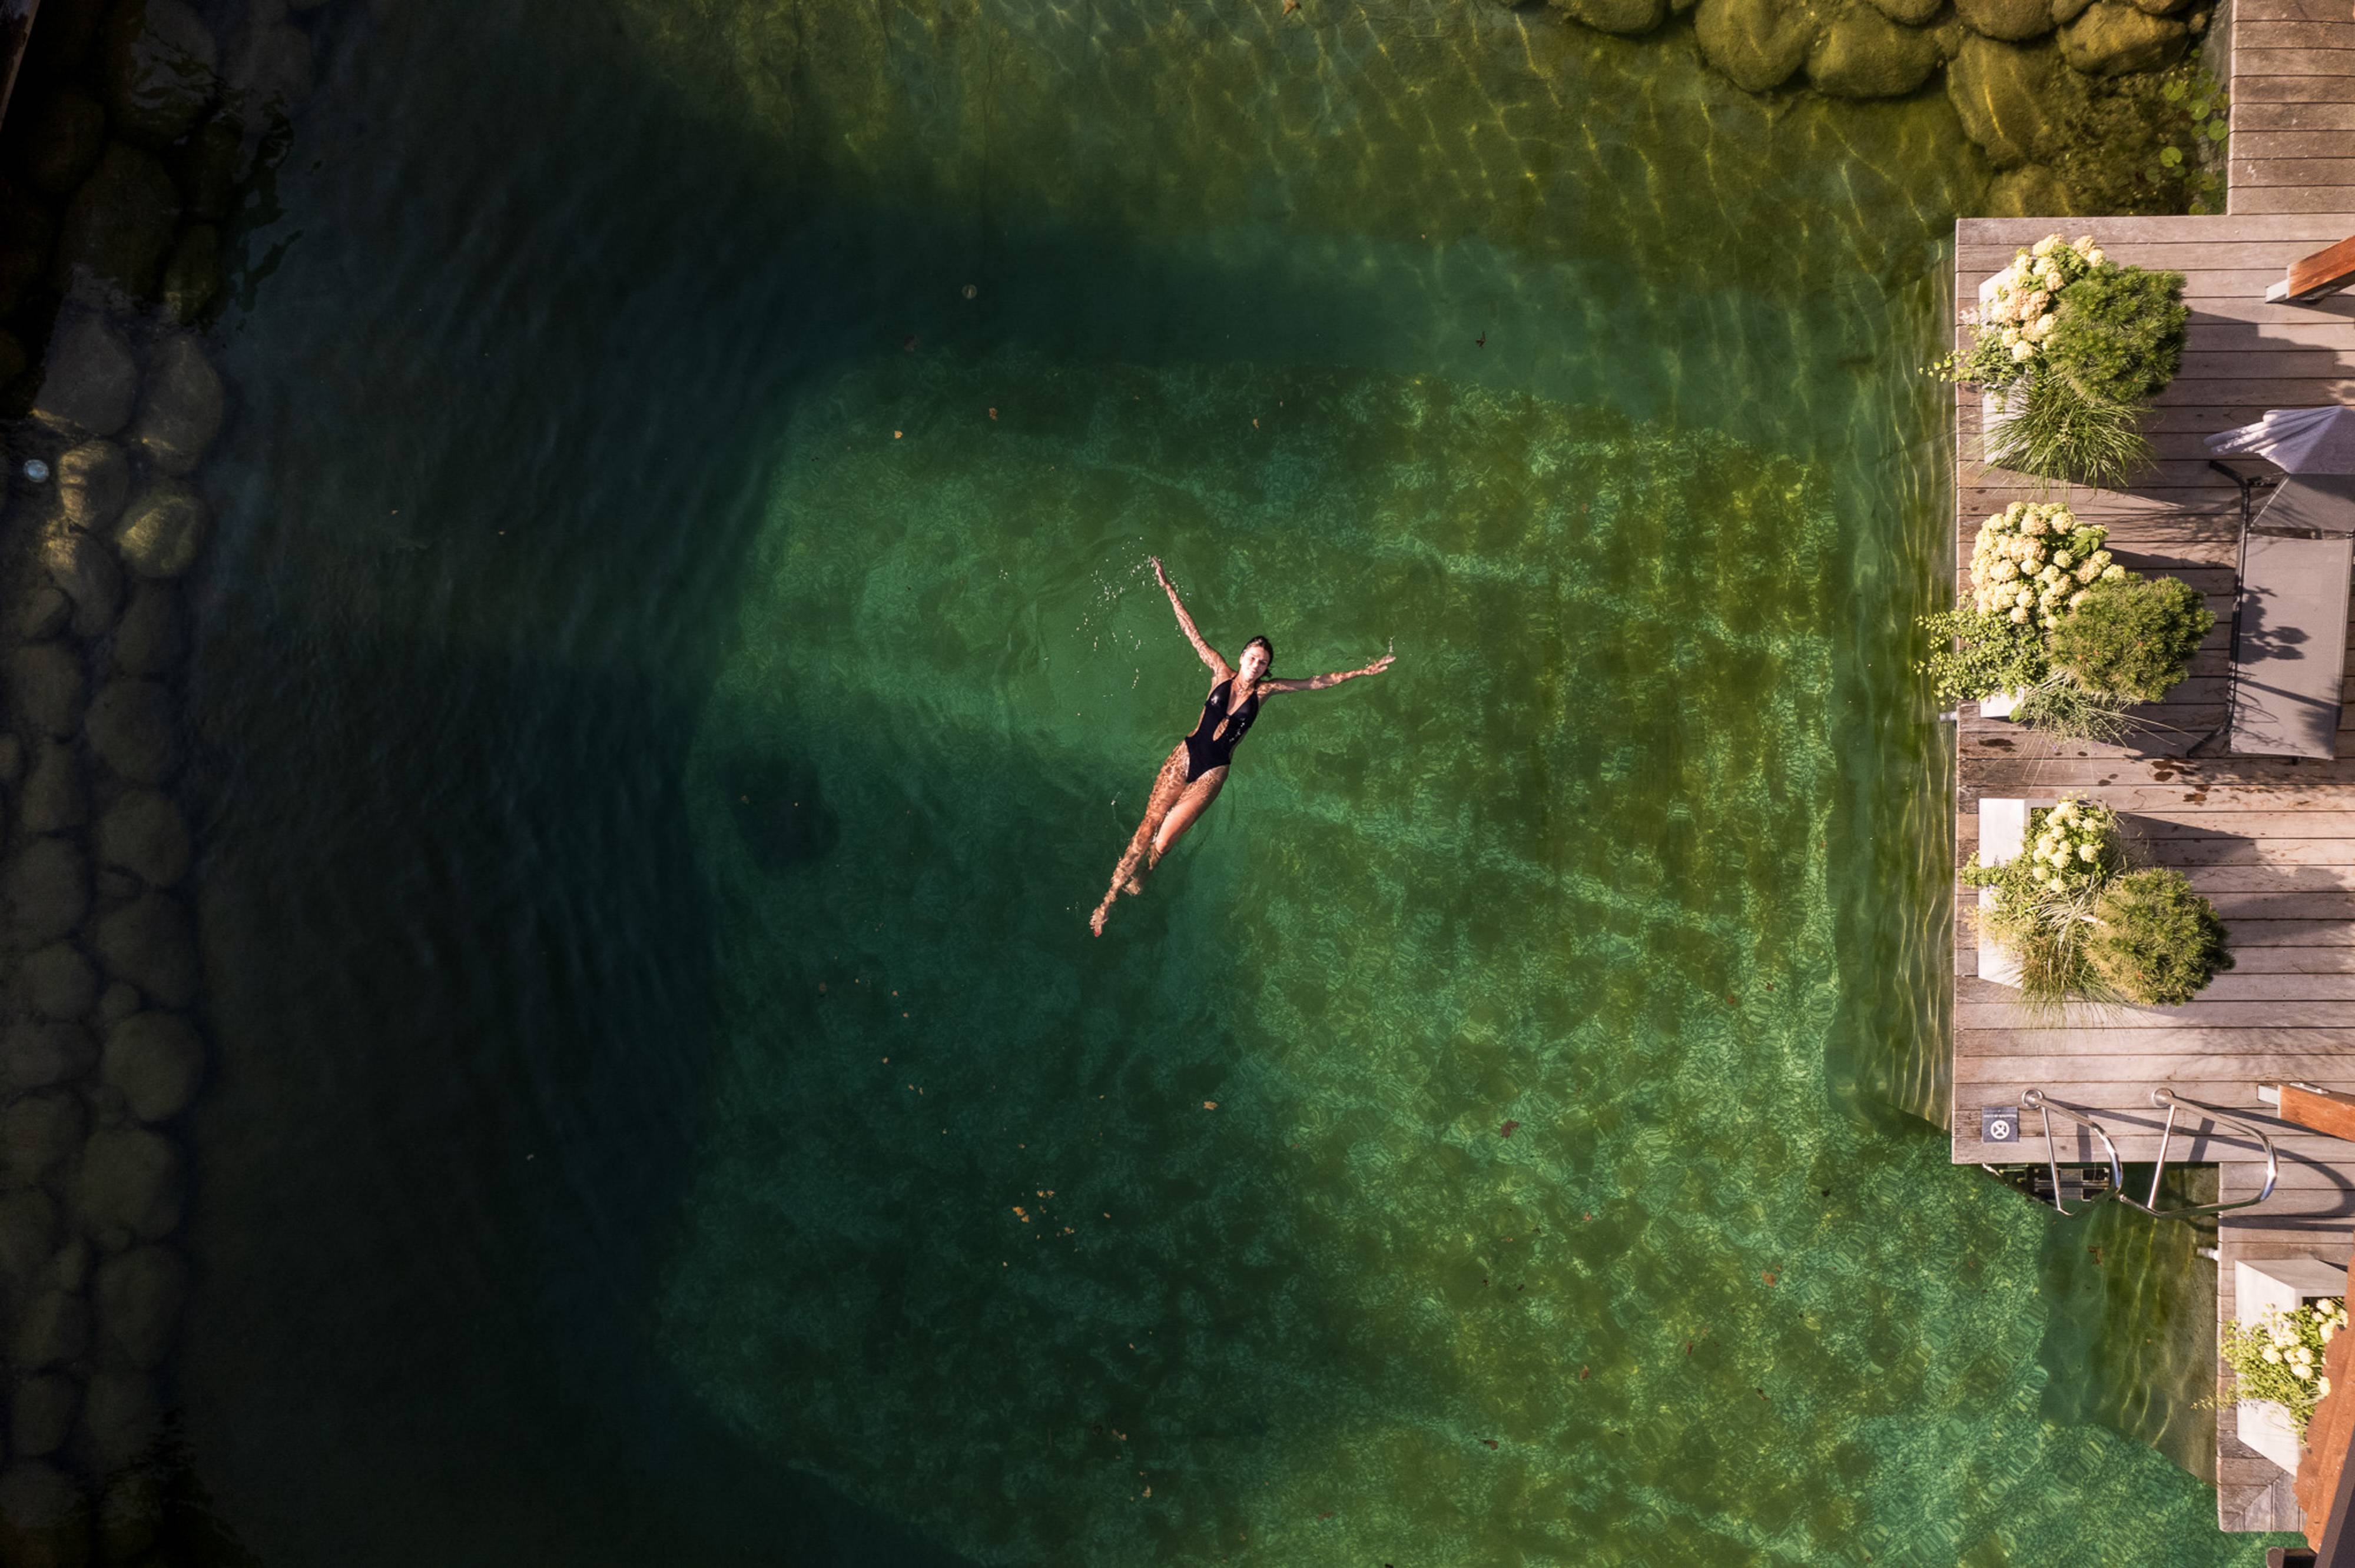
x: 2073, y: 346
x: 2279, y: 1356
x: 2155, y: 940
x: 2084, y: 927
x: 2132, y: 638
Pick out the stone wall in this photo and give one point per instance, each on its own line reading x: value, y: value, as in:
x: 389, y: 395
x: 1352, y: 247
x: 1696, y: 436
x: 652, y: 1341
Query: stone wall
x: 139, y: 128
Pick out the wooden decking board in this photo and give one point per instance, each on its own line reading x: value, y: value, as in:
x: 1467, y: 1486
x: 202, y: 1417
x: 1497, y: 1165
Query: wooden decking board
x: 2272, y: 841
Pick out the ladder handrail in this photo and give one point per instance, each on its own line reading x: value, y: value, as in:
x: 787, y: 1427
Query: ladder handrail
x: 2033, y: 1099
x: 2174, y: 1103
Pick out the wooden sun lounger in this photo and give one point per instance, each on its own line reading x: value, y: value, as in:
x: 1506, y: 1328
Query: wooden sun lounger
x: 2289, y: 639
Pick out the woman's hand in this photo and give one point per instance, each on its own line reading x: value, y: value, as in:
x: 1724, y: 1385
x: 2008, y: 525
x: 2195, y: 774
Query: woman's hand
x: 1379, y: 665
x: 1158, y: 575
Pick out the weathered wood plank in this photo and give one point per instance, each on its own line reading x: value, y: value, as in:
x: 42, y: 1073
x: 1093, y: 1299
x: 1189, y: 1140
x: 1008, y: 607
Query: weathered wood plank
x: 2320, y: 33
x: 2303, y: 171
x: 1988, y: 232
x: 2257, y: 116
x: 2247, y: 11
x: 2250, y: 200
x: 2334, y: 65
x: 2320, y: 1110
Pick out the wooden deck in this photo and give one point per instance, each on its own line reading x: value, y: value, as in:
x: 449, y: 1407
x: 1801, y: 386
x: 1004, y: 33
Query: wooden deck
x: 2293, y: 90
x: 2272, y: 841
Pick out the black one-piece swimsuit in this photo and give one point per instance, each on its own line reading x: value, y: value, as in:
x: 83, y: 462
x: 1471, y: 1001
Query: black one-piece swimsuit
x: 1212, y: 744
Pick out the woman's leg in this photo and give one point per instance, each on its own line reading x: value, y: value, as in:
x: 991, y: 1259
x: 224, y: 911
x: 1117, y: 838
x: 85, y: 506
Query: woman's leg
x: 1191, y: 804
x: 1167, y: 786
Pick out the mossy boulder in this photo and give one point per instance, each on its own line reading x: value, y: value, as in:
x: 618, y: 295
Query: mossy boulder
x: 54, y: 799
x: 93, y: 481
x: 192, y: 273
x: 121, y: 1418
x: 26, y: 239
x: 139, y: 1295
x: 41, y: 1415
x: 116, y: 231
x: 55, y: 1328
x: 130, y: 1515
x: 1617, y: 16
x: 149, y: 944
x: 155, y: 1060
x: 45, y: 687
x: 143, y: 833
x: 87, y: 571
x: 2014, y: 21
x: 67, y: 141
x: 160, y: 66
x: 131, y: 730
x: 269, y: 71
x: 1913, y: 13
x: 148, y: 639
x: 47, y: 614
x: 1862, y: 54
x: 180, y: 410
x: 1757, y: 43
x: 28, y: 1230
x: 44, y: 891
x: 44, y: 1518
x: 131, y: 1187
x: 162, y: 530
x: 2031, y: 190
x: 90, y: 381
x: 208, y: 167
x: 2004, y: 95
x: 2113, y: 39
x: 37, y: 1052
x: 57, y: 982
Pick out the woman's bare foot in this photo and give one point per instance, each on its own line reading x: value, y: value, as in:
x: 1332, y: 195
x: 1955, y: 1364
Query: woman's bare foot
x: 1096, y: 921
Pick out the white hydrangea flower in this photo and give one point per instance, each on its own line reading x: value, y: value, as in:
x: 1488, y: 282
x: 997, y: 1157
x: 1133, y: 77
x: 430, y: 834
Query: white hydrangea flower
x: 2113, y: 572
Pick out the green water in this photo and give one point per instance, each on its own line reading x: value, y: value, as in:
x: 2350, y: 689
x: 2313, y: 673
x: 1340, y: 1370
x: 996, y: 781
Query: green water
x: 746, y: 633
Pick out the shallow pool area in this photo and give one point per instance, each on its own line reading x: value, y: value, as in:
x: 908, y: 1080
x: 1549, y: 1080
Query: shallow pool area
x: 678, y: 663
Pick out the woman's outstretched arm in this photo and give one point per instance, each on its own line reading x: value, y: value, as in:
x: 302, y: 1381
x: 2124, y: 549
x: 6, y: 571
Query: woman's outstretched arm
x: 1186, y: 623
x: 1318, y: 683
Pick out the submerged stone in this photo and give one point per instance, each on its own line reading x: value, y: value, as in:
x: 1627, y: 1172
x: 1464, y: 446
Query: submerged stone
x: 1863, y: 54
x: 269, y: 71
x: 67, y: 141
x: 116, y: 231
x: 1913, y: 13
x: 121, y: 1418
x: 131, y: 730
x: 47, y: 614
x: 160, y: 66
x: 41, y: 1415
x: 2004, y: 94
x: 26, y: 239
x: 44, y: 1518
x: 37, y: 1134
x: 207, y: 167
x: 2013, y: 20
x: 162, y: 530
x: 12, y: 759
x: 155, y: 1061
x: 139, y: 1296
x: 180, y: 412
x: 1617, y: 16
x: 115, y: 1004
x: 130, y: 1188
x: 55, y: 1328
x: 45, y: 891
x: 143, y: 833
x: 45, y: 686
x: 93, y: 481
x: 91, y: 380
x: 149, y: 944
x: 2031, y: 190
x: 2113, y: 39
x: 192, y: 274
x: 1759, y: 44
x: 36, y: 1053
x: 88, y: 572
x: 130, y: 1515
x: 147, y: 639
x: 28, y: 1230
x: 54, y: 799
x: 57, y: 982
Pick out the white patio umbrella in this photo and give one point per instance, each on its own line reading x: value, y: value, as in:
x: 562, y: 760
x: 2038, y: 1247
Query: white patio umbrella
x: 2300, y: 441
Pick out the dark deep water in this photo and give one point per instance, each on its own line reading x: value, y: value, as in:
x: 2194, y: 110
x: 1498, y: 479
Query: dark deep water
x: 617, y: 455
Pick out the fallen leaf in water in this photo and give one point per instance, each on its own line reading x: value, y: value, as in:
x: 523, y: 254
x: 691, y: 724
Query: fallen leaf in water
x: 993, y: 413
x: 1585, y: 1372
x: 1769, y: 1277
x: 1488, y: 1442
x: 1508, y: 1130
x: 1210, y: 1104
x: 1021, y: 1215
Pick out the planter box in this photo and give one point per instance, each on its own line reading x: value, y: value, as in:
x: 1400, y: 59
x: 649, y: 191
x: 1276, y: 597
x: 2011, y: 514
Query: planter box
x: 2286, y: 1284
x: 2003, y: 831
x: 1998, y: 705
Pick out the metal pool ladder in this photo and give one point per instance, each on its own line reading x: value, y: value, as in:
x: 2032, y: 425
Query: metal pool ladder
x: 2175, y: 1102
x: 2033, y: 1099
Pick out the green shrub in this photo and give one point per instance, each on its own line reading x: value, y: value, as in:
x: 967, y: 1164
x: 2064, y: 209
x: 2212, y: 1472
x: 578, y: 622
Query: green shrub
x: 2065, y: 708
x: 2132, y: 638
x: 1974, y: 655
x: 2155, y: 940
x: 2118, y: 336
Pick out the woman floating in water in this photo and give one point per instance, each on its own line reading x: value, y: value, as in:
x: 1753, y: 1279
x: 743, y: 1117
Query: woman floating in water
x: 1190, y: 780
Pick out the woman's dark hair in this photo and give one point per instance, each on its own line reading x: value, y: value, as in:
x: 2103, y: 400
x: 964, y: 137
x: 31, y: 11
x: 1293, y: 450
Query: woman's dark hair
x: 1263, y: 642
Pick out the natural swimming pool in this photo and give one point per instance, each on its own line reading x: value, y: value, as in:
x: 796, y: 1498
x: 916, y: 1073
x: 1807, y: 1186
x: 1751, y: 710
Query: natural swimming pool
x: 677, y: 671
